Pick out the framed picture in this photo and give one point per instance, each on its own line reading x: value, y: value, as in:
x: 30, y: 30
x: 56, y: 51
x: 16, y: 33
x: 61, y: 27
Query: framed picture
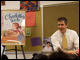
x: 47, y: 46
x: 28, y: 31
x: 13, y: 27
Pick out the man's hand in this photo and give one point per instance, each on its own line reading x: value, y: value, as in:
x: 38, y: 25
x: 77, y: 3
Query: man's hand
x: 76, y: 52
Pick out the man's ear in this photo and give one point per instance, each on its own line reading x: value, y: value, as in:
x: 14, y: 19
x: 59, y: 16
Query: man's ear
x: 67, y: 25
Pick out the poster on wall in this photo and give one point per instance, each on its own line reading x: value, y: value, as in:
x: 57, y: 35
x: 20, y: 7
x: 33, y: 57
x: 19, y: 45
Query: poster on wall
x: 28, y: 31
x: 47, y: 46
x: 12, y: 27
x: 29, y: 5
x: 30, y: 19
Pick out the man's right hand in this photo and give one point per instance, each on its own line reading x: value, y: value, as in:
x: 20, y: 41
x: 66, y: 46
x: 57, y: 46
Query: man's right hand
x: 76, y: 52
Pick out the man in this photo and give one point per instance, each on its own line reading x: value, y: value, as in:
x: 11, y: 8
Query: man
x: 72, y: 39
x: 47, y: 48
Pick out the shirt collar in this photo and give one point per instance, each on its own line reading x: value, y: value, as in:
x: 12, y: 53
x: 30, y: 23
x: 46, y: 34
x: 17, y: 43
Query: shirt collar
x: 64, y: 33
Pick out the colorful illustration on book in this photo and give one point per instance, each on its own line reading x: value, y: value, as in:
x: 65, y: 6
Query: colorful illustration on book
x: 12, y: 30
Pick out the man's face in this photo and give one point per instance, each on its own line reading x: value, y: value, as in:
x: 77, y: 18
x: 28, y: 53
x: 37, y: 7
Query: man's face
x: 62, y: 26
x: 48, y: 44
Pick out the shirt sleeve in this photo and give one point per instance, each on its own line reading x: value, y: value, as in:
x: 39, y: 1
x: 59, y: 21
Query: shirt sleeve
x: 55, y: 41
x: 76, y: 40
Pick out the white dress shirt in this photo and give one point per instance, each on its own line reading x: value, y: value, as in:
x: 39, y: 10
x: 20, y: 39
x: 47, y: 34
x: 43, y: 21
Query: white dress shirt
x: 71, y: 36
x: 47, y: 49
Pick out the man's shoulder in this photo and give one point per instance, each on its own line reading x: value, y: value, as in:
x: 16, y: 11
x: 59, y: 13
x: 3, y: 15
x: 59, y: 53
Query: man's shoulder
x: 72, y: 31
x: 56, y: 33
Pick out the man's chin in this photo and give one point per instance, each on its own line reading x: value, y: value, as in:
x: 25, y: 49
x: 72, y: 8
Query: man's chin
x: 61, y: 31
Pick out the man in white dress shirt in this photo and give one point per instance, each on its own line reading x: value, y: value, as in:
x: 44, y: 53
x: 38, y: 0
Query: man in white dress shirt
x: 47, y: 48
x: 71, y: 37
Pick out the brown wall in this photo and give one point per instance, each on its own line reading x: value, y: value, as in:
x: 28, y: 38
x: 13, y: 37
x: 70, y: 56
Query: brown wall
x: 52, y: 12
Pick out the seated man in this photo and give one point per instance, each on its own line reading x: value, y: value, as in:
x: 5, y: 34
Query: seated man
x: 66, y: 39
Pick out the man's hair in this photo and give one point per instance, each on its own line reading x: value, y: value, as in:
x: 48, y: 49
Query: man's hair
x: 62, y: 19
x: 48, y: 42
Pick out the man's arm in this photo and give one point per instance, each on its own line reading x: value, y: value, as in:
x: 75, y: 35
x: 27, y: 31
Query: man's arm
x: 76, y: 44
x: 76, y: 40
x: 55, y: 41
x: 76, y: 52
